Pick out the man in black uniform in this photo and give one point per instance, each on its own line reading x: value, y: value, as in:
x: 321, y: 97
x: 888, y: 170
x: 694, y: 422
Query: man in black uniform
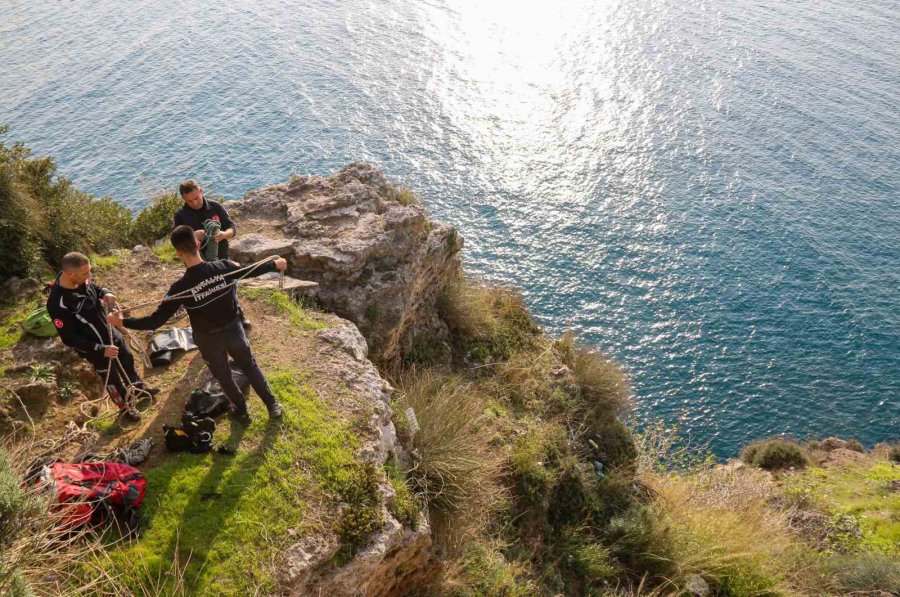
x: 76, y: 306
x: 196, y: 210
x: 208, y: 290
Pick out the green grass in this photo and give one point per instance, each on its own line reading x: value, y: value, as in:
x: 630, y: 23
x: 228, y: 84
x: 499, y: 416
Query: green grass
x: 105, y: 262
x: 227, y: 517
x: 107, y: 427
x: 282, y: 304
x: 11, y: 316
x: 858, y: 491
x: 165, y: 252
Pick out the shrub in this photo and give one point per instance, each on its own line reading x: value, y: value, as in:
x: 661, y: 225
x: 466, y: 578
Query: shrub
x: 603, y: 385
x: 20, y: 243
x: 533, y: 461
x: 485, y: 322
x: 894, y: 453
x: 404, y: 507
x: 155, y: 221
x: 615, y: 446
x: 45, y: 217
x: 855, y: 445
x: 484, y: 572
x: 16, y: 505
x: 775, y: 454
x: 361, y: 516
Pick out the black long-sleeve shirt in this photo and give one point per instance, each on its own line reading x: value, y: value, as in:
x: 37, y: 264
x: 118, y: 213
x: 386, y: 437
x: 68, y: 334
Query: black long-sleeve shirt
x: 210, y: 210
x: 211, y: 304
x: 79, y: 316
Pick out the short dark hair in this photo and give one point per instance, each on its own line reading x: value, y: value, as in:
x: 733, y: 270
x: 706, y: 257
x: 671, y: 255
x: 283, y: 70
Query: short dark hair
x: 187, y: 186
x: 183, y: 239
x: 74, y: 260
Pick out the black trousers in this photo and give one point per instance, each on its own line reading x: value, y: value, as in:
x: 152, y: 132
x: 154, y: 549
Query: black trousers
x: 215, y: 348
x: 117, y: 387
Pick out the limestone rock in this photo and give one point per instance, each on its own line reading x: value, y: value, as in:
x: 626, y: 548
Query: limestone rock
x: 348, y: 339
x: 18, y: 289
x: 695, y: 585
x: 396, y: 560
x: 379, y: 261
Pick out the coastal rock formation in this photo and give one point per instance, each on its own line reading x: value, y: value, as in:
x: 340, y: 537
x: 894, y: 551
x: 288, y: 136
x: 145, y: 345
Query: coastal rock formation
x: 379, y: 261
x: 396, y: 558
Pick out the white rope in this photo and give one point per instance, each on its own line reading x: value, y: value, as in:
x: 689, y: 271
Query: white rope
x: 185, y: 293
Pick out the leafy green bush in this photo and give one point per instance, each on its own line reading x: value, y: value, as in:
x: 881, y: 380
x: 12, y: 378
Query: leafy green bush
x: 775, y: 454
x: 45, y: 217
x: 155, y: 221
x: 533, y: 463
x: 20, y: 243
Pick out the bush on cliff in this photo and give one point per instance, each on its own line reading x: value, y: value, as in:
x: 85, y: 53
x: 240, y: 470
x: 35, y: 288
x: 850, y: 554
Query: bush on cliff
x: 486, y: 322
x: 155, y: 221
x: 775, y: 454
x: 45, y: 216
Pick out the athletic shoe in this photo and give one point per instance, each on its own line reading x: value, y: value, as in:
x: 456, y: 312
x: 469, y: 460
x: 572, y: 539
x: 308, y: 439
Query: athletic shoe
x: 150, y: 390
x: 276, y: 411
x: 242, y: 417
x: 130, y: 414
x: 246, y: 323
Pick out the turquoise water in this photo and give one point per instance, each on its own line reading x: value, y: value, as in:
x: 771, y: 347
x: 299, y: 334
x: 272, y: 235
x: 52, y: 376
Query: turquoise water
x: 706, y: 190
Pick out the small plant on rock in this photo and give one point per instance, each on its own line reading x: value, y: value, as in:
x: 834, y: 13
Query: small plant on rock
x: 775, y: 454
x: 41, y: 372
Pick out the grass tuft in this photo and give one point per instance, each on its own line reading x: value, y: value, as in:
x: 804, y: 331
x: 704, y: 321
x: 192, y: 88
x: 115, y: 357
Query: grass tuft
x: 455, y: 473
x: 280, y: 303
x: 486, y: 322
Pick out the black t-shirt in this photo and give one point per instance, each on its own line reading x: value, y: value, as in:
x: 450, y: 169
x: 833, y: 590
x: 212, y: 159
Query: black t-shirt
x: 78, y: 316
x: 212, y: 303
x: 210, y: 210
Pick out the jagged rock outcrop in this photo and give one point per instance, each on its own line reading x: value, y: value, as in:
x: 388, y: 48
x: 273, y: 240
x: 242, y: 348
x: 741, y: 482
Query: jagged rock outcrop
x: 378, y: 259
x: 396, y: 558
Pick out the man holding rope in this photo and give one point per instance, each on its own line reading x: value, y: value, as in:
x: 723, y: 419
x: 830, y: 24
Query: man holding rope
x: 76, y: 306
x: 208, y: 290
x: 196, y: 212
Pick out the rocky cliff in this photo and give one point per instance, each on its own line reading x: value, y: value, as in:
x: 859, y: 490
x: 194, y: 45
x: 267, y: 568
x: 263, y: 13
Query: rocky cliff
x: 379, y: 261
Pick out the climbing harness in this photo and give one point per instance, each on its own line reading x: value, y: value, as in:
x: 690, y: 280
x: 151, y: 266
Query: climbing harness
x: 210, y: 247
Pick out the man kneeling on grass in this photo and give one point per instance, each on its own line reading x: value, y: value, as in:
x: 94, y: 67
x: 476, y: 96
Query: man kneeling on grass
x: 212, y: 306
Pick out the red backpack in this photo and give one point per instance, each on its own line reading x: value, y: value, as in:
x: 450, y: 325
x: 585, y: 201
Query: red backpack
x: 89, y: 491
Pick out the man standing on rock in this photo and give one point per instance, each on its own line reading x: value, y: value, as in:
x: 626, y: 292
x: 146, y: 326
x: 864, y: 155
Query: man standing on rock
x: 196, y: 210
x: 76, y: 306
x: 208, y: 290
